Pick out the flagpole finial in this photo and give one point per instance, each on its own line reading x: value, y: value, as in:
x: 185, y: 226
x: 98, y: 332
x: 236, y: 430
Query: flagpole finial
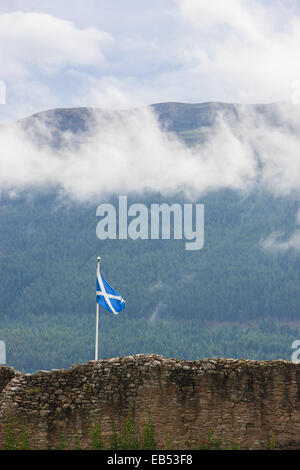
x: 98, y: 259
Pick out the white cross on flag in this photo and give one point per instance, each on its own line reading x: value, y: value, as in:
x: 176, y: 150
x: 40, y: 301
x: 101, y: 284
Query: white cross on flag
x: 107, y: 296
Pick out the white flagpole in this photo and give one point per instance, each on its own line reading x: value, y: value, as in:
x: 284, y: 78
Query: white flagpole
x: 97, y: 326
x: 97, y: 317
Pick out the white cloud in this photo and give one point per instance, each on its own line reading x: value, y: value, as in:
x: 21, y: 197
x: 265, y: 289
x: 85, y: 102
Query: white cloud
x: 245, y: 48
x: 31, y: 41
x: 107, y: 92
x: 134, y: 154
x: 273, y: 243
x: 155, y: 314
x: 276, y: 146
x: 131, y: 154
x: 233, y: 51
x: 159, y: 285
x: 37, y: 52
x: 184, y: 50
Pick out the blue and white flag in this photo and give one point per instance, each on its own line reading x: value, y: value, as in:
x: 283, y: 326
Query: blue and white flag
x: 107, y: 296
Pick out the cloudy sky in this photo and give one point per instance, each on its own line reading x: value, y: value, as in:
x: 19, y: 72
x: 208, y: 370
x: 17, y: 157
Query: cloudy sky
x: 117, y: 54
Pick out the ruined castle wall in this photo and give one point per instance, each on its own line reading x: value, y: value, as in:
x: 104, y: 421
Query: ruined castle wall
x: 246, y: 402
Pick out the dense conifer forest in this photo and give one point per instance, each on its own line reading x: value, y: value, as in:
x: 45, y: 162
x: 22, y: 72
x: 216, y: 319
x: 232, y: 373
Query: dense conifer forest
x: 230, y: 299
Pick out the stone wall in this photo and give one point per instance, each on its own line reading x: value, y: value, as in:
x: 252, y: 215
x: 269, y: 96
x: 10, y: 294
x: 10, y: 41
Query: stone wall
x: 240, y: 401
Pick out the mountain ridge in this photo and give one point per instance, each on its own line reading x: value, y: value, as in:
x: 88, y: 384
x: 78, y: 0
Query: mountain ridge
x: 170, y: 114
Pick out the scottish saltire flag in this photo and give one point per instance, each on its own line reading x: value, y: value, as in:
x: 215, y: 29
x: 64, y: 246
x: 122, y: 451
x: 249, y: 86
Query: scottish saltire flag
x: 107, y: 296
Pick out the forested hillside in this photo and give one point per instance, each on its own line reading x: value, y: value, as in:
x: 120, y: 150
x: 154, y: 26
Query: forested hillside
x: 223, y: 300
